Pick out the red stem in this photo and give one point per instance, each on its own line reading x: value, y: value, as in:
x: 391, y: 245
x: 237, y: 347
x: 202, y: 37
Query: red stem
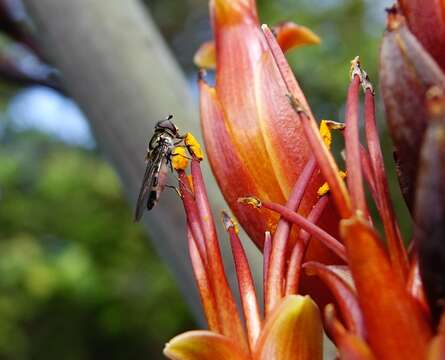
x: 266, y: 260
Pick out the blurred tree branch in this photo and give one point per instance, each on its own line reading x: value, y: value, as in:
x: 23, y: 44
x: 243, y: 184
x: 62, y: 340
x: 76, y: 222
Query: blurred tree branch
x: 117, y: 67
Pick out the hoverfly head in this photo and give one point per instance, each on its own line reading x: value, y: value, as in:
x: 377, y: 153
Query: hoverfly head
x: 167, y: 125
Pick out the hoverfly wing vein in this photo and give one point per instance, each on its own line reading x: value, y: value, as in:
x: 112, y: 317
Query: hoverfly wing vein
x: 153, y: 158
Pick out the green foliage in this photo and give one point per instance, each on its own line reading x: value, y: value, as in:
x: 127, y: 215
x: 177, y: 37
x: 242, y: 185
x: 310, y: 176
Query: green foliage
x: 77, y: 279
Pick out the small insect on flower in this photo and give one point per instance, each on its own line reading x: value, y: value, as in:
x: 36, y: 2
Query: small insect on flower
x: 161, y: 149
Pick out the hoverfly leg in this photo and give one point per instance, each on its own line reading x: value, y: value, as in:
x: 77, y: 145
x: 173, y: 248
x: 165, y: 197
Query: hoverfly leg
x: 186, y: 187
x: 184, y: 156
x: 177, y: 191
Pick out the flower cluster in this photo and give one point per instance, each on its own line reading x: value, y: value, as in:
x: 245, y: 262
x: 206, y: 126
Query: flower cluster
x: 271, y: 160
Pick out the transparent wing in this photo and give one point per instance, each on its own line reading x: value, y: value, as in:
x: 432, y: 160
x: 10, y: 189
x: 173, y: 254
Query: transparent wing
x: 153, y: 166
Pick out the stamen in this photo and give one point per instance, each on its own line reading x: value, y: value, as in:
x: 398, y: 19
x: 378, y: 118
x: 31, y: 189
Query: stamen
x: 396, y: 249
x: 368, y: 172
x: 192, y: 215
x: 229, y: 318
x: 245, y: 283
x: 324, y: 189
x: 298, y: 252
x: 280, y: 240
x: 328, y: 240
x: 325, y: 160
x: 204, y: 286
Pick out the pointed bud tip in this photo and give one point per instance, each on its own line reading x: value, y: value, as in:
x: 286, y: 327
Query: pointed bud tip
x: 355, y: 68
x: 229, y: 222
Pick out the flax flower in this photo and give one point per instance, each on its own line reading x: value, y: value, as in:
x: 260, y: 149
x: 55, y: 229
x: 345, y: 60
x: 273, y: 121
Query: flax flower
x: 388, y: 300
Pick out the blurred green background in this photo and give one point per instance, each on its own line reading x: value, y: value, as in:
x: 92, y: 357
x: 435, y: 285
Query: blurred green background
x: 78, y: 279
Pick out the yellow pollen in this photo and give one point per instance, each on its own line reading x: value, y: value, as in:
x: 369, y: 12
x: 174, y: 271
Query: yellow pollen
x: 193, y: 146
x: 190, y: 180
x: 324, y: 189
x: 179, y: 158
x: 251, y: 201
x: 325, y: 130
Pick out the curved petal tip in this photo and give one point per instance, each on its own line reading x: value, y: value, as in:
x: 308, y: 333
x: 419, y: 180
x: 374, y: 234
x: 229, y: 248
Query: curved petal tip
x: 203, y: 345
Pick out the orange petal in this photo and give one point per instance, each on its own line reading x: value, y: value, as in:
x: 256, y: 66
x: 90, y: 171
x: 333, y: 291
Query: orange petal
x: 426, y: 20
x: 292, y: 332
x: 395, y: 326
x: 259, y: 124
x: 203, y: 345
x: 229, y: 168
x: 205, y: 57
x: 290, y: 35
x: 232, y: 12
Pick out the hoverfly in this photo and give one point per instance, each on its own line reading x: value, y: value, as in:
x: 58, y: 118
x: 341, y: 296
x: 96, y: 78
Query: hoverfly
x: 158, y: 158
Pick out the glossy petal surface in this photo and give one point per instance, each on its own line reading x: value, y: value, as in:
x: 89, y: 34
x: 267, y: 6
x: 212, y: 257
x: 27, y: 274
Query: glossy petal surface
x: 292, y: 332
x: 396, y: 329
x: 256, y: 127
x: 203, y: 345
